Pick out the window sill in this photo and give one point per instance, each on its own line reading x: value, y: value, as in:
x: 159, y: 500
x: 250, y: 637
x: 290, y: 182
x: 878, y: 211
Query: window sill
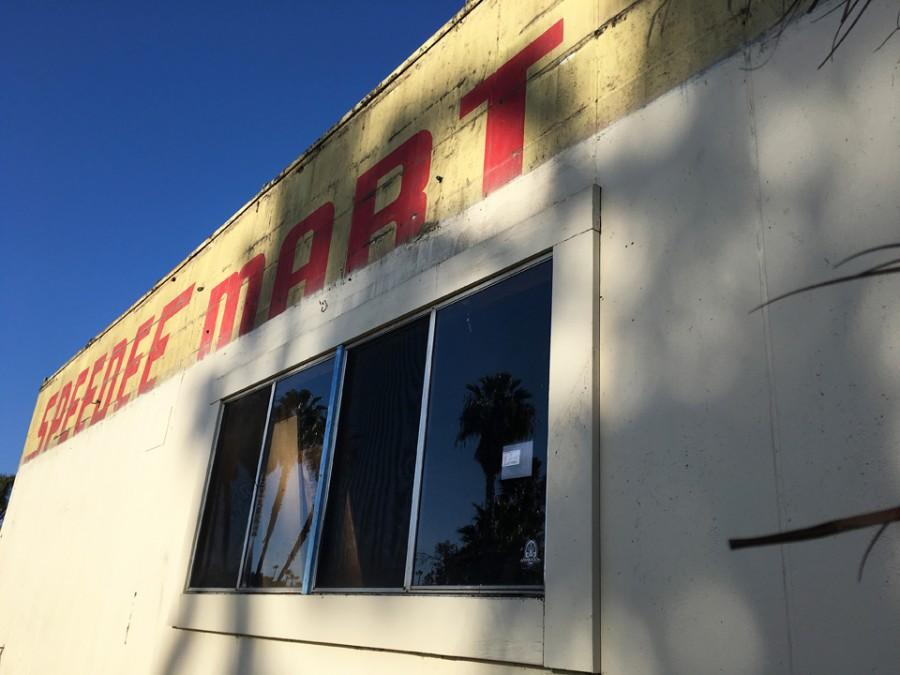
x: 497, y: 628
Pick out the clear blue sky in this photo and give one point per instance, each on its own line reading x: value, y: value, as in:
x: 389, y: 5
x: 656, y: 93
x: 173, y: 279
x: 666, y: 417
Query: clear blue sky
x: 130, y: 131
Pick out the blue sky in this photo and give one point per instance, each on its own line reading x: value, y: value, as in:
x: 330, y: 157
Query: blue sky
x: 130, y: 131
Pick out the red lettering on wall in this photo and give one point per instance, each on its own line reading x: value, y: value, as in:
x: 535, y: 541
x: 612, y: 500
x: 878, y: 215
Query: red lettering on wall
x: 43, y: 436
x: 61, y: 405
x: 407, y: 211
x: 116, y: 356
x: 504, y: 92
x: 89, y: 392
x: 504, y: 95
x: 312, y: 274
x: 73, y: 404
x: 134, y: 362
x: 160, y: 340
x: 230, y: 287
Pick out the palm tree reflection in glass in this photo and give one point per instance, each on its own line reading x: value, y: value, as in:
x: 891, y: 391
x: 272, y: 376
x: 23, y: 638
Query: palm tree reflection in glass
x: 298, y: 427
x: 497, y: 411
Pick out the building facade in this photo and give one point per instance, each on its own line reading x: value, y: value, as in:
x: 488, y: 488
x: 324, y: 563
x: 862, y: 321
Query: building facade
x: 486, y: 380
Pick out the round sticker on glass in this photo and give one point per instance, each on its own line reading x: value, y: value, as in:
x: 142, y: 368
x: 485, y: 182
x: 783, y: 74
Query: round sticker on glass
x: 530, y: 557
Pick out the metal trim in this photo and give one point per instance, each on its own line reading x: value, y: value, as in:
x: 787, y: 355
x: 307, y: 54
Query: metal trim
x: 266, y: 451
x: 322, y: 489
x: 393, y: 590
x: 478, y: 590
x: 274, y: 379
x: 245, y: 552
x: 203, y: 504
x: 389, y: 327
x: 546, y: 468
x: 451, y: 298
x: 420, y: 454
x: 200, y: 590
x: 335, y: 398
x: 312, y: 549
x: 467, y: 591
x: 479, y: 286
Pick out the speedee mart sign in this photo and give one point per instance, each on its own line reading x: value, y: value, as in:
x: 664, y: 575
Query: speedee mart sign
x: 503, y: 88
x: 133, y: 364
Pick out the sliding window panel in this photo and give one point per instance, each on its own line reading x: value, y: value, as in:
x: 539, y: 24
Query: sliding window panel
x: 366, y: 530
x: 282, y: 518
x: 220, y: 544
x: 481, y: 517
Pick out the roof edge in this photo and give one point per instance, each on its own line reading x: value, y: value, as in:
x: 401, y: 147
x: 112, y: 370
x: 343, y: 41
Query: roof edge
x: 367, y: 100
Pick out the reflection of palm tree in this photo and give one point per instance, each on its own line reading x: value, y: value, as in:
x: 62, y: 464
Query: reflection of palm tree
x: 490, y: 548
x: 310, y: 414
x: 496, y: 410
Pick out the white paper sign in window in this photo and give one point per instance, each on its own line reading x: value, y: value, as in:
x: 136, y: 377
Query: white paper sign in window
x: 516, y: 461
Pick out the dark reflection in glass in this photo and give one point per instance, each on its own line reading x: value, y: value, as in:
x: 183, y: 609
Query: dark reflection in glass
x: 284, y: 506
x: 219, y: 546
x: 481, y: 518
x: 366, y: 526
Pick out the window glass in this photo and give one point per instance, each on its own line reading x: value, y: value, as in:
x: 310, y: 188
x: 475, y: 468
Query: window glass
x: 480, y: 511
x: 366, y: 527
x: 481, y: 518
x: 218, y: 557
x: 282, y: 519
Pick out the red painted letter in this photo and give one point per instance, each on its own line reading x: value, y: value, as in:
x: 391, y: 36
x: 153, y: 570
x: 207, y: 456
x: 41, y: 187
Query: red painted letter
x: 61, y: 405
x: 318, y: 223
x: 252, y: 273
x: 43, y: 436
x: 89, y: 393
x: 504, y: 92
x: 407, y: 210
x: 134, y: 361
x: 73, y: 404
x: 116, y: 356
x: 160, y: 341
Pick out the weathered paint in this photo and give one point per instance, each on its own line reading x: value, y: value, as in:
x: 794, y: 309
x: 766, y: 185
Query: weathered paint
x: 700, y: 420
x: 504, y: 87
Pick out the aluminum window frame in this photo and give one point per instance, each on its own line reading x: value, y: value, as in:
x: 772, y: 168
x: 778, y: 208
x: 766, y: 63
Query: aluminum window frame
x: 339, y: 368
x: 485, y: 589
x: 270, y: 382
x: 559, y: 630
x: 408, y: 588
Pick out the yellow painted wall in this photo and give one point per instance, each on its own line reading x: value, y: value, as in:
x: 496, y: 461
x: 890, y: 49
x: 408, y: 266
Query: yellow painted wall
x: 614, y: 57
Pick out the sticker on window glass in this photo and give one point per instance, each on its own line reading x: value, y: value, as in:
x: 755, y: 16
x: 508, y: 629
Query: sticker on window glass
x: 512, y: 457
x: 530, y: 558
x: 516, y: 460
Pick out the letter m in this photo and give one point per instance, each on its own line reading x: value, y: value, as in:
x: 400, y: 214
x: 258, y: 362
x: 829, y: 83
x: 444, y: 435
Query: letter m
x: 230, y: 289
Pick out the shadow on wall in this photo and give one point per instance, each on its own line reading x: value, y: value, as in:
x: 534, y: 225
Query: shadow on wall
x: 729, y: 421
x: 883, y: 517
x: 718, y: 421
x: 240, y: 653
x: 246, y: 653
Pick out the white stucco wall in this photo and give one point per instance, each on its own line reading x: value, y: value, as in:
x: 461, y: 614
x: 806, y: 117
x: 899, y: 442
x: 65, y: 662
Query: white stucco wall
x: 714, y: 422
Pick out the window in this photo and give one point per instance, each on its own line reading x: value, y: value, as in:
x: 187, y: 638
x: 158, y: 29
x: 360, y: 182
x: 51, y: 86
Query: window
x: 415, y: 459
x: 481, y: 514
x: 282, y: 519
x: 230, y: 494
x: 366, y: 529
x: 268, y: 456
